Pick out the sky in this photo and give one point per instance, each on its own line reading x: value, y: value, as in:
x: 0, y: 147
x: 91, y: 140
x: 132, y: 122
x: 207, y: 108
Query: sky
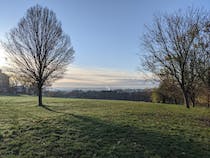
x: 106, y: 36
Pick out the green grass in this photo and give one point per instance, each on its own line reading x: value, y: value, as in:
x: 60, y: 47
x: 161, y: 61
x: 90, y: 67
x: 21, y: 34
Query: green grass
x: 97, y: 128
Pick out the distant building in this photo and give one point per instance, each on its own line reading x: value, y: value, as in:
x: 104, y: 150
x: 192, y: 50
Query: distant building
x: 4, y: 83
x: 20, y: 89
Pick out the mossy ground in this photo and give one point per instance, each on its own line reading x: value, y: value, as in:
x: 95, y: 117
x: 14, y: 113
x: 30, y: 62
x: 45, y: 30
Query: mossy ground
x: 100, y: 128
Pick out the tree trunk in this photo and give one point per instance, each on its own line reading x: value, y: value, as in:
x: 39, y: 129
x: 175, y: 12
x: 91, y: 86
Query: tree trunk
x: 208, y: 98
x: 39, y: 95
x: 193, y: 102
x: 175, y: 101
x: 192, y: 97
x: 186, y: 99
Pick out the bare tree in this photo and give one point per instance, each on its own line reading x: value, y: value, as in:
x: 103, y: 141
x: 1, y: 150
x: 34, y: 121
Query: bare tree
x: 170, y: 47
x: 38, y: 48
x: 203, y: 62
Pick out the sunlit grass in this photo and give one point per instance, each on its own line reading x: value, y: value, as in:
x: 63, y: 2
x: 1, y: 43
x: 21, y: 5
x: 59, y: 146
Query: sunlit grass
x: 99, y: 128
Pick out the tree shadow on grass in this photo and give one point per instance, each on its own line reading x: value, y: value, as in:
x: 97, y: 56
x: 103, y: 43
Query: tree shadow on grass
x: 76, y: 136
x: 50, y: 109
x: 46, y: 107
x: 127, y: 141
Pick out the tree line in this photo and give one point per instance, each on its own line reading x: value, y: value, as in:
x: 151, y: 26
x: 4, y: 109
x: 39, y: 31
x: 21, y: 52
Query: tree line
x: 132, y: 95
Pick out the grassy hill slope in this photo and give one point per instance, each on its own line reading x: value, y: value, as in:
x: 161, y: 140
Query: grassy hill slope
x: 98, y: 128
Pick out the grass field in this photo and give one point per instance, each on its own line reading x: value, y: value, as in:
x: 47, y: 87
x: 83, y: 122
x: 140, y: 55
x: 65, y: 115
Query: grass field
x: 98, y: 128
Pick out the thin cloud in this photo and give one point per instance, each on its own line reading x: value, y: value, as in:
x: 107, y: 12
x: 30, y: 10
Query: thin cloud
x: 78, y: 77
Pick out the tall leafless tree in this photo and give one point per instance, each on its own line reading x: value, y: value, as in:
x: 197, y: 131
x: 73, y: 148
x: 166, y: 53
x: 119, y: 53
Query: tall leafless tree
x: 39, y: 49
x: 170, y: 44
x: 203, y: 62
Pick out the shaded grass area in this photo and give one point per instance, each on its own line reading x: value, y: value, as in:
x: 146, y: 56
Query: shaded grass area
x: 98, y: 128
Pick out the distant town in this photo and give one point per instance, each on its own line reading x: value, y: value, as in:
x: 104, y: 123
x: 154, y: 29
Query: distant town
x: 7, y: 88
x: 112, y: 94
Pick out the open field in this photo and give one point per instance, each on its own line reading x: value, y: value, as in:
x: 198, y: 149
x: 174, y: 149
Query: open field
x: 98, y: 128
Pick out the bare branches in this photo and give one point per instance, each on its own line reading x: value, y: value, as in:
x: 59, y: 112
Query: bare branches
x: 170, y: 44
x: 38, y: 47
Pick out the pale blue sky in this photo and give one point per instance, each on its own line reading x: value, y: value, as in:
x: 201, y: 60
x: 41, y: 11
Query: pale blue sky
x: 105, y: 33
